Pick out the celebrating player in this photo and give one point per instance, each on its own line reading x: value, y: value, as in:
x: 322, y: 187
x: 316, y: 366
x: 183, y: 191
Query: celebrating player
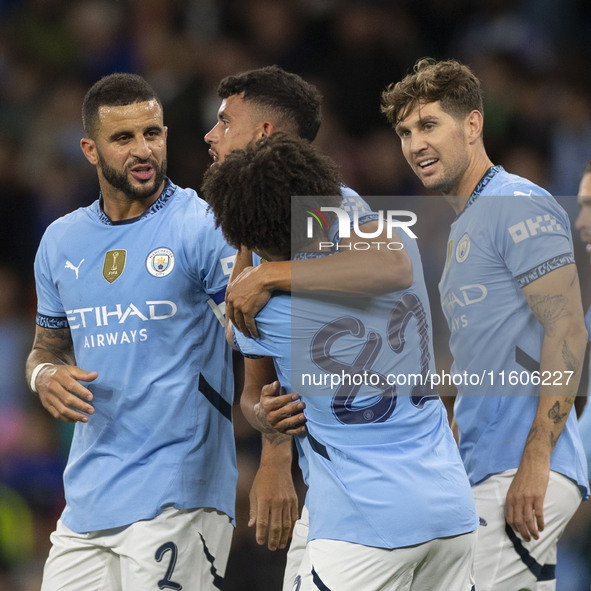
x: 129, y: 346
x: 510, y: 293
x: 254, y: 104
x: 389, y: 501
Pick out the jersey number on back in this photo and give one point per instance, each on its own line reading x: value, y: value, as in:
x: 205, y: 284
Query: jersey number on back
x: 360, y: 371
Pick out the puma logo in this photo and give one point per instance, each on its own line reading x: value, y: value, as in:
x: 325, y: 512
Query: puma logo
x: 70, y: 265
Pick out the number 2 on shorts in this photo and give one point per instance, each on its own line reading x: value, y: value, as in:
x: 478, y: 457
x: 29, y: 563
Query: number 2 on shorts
x: 167, y: 582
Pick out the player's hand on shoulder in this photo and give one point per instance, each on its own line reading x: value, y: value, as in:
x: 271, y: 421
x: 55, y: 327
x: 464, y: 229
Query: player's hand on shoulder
x: 245, y: 296
x: 281, y: 412
x: 62, y: 394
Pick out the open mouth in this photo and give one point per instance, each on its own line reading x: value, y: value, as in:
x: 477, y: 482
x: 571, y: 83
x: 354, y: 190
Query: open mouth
x: 427, y: 164
x: 143, y: 172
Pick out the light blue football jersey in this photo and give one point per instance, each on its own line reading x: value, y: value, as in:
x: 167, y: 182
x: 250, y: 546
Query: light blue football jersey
x: 383, y: 467
x: 143, y: 300
x: 510, y: 233
x: 354, y: 205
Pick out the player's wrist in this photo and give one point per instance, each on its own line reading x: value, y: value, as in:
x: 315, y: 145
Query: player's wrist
x: 275, y: 275
x: 35, y: 374
x: 276, y: 449
x: 536, y: 456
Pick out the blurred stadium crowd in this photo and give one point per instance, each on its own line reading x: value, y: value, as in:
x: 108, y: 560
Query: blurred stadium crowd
x: 532, y: 57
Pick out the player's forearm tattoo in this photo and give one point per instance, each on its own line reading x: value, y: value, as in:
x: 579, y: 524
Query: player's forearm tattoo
x: 531, y: 435
x: 555, y: 414
x: 570, y: 360
x: 553, y: 440
x: 548, y: 309
x: 276, y: 438
x: 58, y: 342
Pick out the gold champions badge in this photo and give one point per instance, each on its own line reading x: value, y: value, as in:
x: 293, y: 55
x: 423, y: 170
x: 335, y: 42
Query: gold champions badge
x: 114, y: 264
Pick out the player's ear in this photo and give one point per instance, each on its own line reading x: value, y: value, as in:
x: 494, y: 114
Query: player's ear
x: 474, y: 124
x: 88, y: 147
x: 267, y: 128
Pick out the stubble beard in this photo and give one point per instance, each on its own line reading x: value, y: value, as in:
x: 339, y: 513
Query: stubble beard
x: 447, y: 184
x: 119, y: 179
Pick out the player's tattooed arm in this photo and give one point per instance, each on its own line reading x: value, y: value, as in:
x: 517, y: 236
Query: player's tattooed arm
x: 51, y: 365
x: 548, y: 309
x: 52, y: 345
x: 555, y: 301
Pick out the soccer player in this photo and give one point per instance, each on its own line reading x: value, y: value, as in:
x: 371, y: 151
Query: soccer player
x: 389, y: 501
x: 130, y: 347
x: 255, y: 104
x: 583, y: 225
x: 510, y: 293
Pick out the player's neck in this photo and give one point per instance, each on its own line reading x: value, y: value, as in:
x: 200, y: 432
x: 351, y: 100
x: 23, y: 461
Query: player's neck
x: 470, y: 179
x: 119, y: 207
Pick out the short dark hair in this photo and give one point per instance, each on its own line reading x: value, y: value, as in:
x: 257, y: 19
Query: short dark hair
x: 448, y: 81
x: 114, y: 90
x: 250, y: 191
x: 295, y: 101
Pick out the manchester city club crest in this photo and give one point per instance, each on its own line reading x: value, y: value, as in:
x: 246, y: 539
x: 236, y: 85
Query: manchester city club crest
x: 160, y: 262
x: 463, y: 248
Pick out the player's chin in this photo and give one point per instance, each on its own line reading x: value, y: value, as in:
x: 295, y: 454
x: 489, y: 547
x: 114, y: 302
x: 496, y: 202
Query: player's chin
x: 145, y: 189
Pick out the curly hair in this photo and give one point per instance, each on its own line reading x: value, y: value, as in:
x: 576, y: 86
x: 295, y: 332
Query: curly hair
x: 250, y: 192
x: 114, y: 90
x: 295, y: 102
x: 449, y: 81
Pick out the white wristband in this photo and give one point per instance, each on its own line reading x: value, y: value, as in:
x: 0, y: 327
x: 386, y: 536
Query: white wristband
x: 35, y: 374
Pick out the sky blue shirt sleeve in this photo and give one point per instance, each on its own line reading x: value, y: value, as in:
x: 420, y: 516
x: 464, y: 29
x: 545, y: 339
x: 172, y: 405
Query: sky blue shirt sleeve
x: 48, y: 299
x: 533, y: 236
x: 211, y: 246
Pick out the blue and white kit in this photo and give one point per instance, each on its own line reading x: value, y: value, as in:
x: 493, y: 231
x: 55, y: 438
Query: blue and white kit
x: 383, y: 469
x: 510, y: 233
x: 143, y: 300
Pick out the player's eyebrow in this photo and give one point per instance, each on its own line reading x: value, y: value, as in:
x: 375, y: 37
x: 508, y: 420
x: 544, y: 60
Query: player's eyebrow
x: 116, y: 134
x: 428, y: 119
x: 400, y: 128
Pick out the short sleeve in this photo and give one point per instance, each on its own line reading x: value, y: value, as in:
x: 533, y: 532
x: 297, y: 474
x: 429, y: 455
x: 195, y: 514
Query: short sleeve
x: 355, y: 206
x: 533, y: 236
x: 274, y: 326
x: 49, y: 303
x: 209, y: 253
